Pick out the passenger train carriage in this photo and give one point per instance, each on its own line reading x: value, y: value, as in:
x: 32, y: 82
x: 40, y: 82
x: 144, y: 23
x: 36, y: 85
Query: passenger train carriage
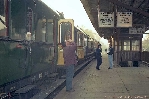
x: 30, y: 44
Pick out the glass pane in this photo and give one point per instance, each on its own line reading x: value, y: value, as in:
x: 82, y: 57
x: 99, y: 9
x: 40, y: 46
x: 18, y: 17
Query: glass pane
x: 89, y: 44
x: 80, y: 39
x: 65, y: 31
x: 120, y: 42
x: 127, y: 48
x: 135, y: 45
x: 40, y: 31
x: 135, y: 48
x: 135, y: 42
x: 126, y: 43
x: 85, y: 41
x: 115, y: 42
x: 43, y: 32
x: 120, y: 48
x: 115, y: 48
x: 49, y: 35
x: 18, y: 19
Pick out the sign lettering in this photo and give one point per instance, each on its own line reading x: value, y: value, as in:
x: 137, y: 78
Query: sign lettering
x: 137, y: 29
x: 106, y: 19
x: 124, y: 19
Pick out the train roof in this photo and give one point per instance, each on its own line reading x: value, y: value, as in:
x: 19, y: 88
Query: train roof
x: 90, y: 35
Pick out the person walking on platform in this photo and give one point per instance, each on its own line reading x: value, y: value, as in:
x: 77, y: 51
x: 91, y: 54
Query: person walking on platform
x: 98, y: 56
x: 110, y: 56
x: 69, y: 55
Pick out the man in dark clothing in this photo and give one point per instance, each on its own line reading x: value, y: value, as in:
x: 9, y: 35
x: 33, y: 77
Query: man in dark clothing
x: 98, y: 56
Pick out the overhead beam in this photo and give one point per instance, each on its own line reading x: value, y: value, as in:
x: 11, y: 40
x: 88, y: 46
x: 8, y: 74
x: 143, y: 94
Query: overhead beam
x: 2, y: 21
x: 141, y: 3
x: 132, y: 2
x: 129, y: 7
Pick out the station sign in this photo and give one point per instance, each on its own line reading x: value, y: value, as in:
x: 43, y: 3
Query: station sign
x: 106, y: 19
x: 137, y: 29
x: 124, y: 19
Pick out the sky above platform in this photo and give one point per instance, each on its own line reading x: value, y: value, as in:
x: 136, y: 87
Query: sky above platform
x: 72, y: 9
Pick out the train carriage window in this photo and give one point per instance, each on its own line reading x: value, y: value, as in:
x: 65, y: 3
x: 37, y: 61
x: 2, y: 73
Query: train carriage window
x: 40, y: 30
x: 43, y: 32
x: 89, y: 44
x: 135, y: 45
x: 126, y: 45
x: 80, y: 39
x: 49, y: 34
x: 75, y: 36
x: 85, y: 41
x: 65, y: 31
x: 21, y: 22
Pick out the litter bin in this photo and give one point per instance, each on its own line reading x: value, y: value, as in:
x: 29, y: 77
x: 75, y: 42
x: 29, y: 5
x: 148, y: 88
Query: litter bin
x: 135, y: 64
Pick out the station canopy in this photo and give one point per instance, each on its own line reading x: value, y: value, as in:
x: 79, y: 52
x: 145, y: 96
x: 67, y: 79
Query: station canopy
x: 136, y: 10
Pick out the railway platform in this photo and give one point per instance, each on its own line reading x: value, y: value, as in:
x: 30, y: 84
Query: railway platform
x: 116, y: 83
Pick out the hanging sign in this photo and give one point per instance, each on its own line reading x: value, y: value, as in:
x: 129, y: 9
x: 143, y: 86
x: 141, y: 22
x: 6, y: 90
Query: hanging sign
x: 124, y: 19
x: 106, y: 19
x: 137, y: 29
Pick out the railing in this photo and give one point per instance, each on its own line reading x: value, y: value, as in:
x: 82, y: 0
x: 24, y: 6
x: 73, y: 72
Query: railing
x: 129, y: 55
x: 145, y: 56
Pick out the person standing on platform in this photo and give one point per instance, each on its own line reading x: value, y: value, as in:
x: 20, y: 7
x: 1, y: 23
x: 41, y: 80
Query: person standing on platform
x: 98, y: 56
x: 69, y: 55
x: 110, y: 56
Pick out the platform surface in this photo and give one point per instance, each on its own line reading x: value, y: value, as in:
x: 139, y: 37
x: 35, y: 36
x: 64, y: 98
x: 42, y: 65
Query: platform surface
x: 116, y: 83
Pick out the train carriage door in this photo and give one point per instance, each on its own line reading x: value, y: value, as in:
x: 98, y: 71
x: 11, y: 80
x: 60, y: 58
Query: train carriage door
x: 51, y: 27
x: 85, y: 45
x: 65, y: 32
x: 50, y: 37
x: 80, y: 45
x: 50, y: 31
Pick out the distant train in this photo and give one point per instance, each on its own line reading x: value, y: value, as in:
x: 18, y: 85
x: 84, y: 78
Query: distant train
x: 30, y: 47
